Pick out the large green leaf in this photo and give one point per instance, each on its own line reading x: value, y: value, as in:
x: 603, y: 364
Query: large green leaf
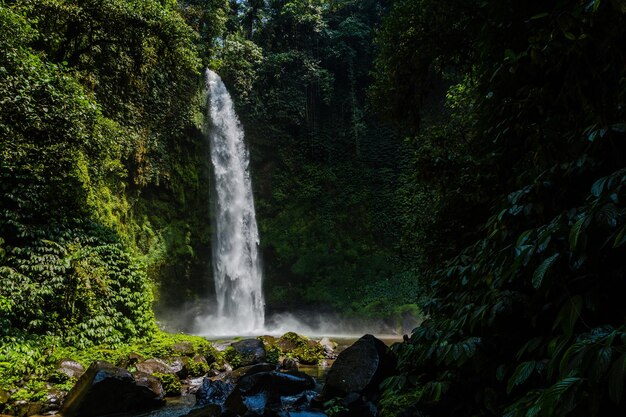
x: 542, y: 269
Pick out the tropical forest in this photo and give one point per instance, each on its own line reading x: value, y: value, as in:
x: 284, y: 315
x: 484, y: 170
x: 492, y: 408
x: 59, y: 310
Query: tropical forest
x: 312, y: 208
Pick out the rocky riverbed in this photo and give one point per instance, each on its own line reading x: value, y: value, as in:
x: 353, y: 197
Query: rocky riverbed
x: 266, y: 376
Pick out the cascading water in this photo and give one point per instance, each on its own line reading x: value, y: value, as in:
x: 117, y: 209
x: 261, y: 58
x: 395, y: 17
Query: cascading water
x: 236, y: 263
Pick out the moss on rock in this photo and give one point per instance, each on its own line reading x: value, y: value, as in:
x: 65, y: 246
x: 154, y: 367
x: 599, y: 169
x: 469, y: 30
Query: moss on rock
x: 171, y: 384
x: 300, y: 347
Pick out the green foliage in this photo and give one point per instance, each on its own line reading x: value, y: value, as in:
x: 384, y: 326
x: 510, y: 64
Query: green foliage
x: 334, y: 407
x: 324, y: 168
x: 527, y: 319
x: 197, y: 368
x: 101, y: 166
x: 301, y: 348
x: 29, y: 364
x: 238, y: 60
x: 171, y: 384
x: 232, y: 357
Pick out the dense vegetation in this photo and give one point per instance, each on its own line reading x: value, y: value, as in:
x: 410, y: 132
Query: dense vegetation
x: 325, y: 167
x: 102, y: 202
x: 526, y: 319
x: 467, y: 156
x: 102, y: 169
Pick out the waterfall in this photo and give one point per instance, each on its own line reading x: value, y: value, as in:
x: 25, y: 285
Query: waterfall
x: 236, y: 263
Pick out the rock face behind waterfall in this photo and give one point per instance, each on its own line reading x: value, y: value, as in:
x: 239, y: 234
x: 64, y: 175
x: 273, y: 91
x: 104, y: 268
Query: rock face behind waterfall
x: 360, y: 369
x: 105, y: 389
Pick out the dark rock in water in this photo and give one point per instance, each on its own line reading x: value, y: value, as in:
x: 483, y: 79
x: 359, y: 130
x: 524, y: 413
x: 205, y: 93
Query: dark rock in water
x: 257, y: 392
x: 360, y: 368
x: 154, y: 366
x: 105, y: 389
x: 252, y: 369
x: 70, y: 368
x: 298, y: 401
x: 249, y: 351
x: 213, y: 392
x: 211, y: 410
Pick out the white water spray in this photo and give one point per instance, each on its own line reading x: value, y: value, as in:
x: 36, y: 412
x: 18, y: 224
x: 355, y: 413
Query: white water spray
x: 236, y: 264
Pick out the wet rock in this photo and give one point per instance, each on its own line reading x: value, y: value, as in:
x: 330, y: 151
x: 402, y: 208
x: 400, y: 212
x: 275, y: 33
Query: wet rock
x: 360, y: 368
x: 246, y: 352
x: 191, y: 385
x: 252, y: 369
x: 53, y: 401
x: 213, y: 392
x: 154, y: 366
x: 70, y: 368
x: 178, y: 365
x: 329, y: 347
x: 266, y: 390
x: 289, y: 364
x: 25, y: 409
x: 105, y: 389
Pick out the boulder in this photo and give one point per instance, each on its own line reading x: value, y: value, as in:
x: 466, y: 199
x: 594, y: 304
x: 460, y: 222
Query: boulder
x: 289, y: 364
x: 360, y: 368
x: 246, y: 352
x: 252, y: 369
x: 178, y: 365
x: 308, y: 352
x: 70, y: 368
x: 105, y: 389
x: 329, y: 347
x: 266, y: 390
x: 213, y: 392
x: 191, y: 385
x: 154, y: 366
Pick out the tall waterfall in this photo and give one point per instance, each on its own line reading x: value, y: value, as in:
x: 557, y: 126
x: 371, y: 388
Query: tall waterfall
x: 236, y: 262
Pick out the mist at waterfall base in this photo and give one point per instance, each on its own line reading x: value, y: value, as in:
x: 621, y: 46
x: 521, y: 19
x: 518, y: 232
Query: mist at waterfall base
x: 239, y: 306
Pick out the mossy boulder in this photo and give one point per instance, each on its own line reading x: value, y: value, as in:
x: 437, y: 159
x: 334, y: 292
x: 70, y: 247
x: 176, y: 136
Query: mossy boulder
x: 154, y: 366
x: 245, y: 352
x: 306, y: 351
x: 197, y: 366
x: 171, y: 384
